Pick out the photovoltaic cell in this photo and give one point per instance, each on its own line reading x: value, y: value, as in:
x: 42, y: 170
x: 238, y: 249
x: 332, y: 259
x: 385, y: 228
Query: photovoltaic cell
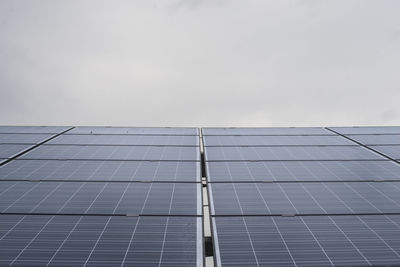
x: 307, y: 241
x: 267, y: 131
x: 101, y: 170
x: 113, y: 153
x: 160, y: 140
x: 290, y: 153
x: 10, y: 150
x: 135, y: 130
x: 100, y: 241
x: 382, y: 139
x: 33, y: 129
x: 23, y: 138
x: 391, y: 151
x: 248, y: 171
x: 304, y: 198
x: 283, y: 140
x: 367, y: 130
x: 100, y: 198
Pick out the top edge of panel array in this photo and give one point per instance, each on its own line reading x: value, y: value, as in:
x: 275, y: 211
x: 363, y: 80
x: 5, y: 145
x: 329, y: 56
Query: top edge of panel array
x: 33, y: 129
x: 367, y: 130
x: 267, y: 131
x: 136, y: 130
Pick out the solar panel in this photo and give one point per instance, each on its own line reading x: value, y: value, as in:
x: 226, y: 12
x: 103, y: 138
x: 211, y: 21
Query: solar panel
x: 368, y: 130
x: 132, y: 196
x: 391, y: 151
x: 263, y: 181
x: 290, y: 153
x: 100, y: 198
x: 307, y: 241
x: 10, y: 150
x: 248, y: 171
x: 23, y: 138
x: 100, y: 241
x: 267, y: 131
x: 101, y: 170
x: 135, y: 130
x: 158, y: 140
x: 113, y: 152
x: 304, y: 198
x: 33, y: 129
x: 382, y: 139
x: 282, y: 140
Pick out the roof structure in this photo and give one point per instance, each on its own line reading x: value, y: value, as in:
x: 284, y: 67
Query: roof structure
x: 137, y: 196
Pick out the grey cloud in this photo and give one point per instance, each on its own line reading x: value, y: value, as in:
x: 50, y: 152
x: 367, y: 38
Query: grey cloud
x: 191, y: 4
x: 200, y: 63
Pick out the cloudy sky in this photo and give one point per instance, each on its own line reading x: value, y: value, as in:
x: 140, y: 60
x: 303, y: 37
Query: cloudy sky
x: 200, y: 62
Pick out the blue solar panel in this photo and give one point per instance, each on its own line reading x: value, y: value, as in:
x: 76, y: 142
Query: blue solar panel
x: 133, y: 140
x: 304, y: 198
x: 391, y: 151
x: 382, y: 139
x: 100, y: 198
x: 267, y: 131
x: 23, y: 138
x: 100, y: 241
x: 247, y: 171
x: 290, y: 153
x: 10, y: 150
x: 307, y: 241
x: 113, y: 153
x: 135, y: 130
x: 33, y: 129
x: 367, y: 130
x: 173, y: 171
x: 282, y: 140
x: 132, y: 196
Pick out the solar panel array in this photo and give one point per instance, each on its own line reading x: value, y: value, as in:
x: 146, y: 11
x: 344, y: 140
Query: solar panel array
x: 100, y: 196
x: 304, y: 196
x: 132, y: 196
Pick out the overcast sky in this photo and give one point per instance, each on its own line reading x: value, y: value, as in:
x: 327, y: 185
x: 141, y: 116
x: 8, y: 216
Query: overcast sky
x: 200, y: 62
